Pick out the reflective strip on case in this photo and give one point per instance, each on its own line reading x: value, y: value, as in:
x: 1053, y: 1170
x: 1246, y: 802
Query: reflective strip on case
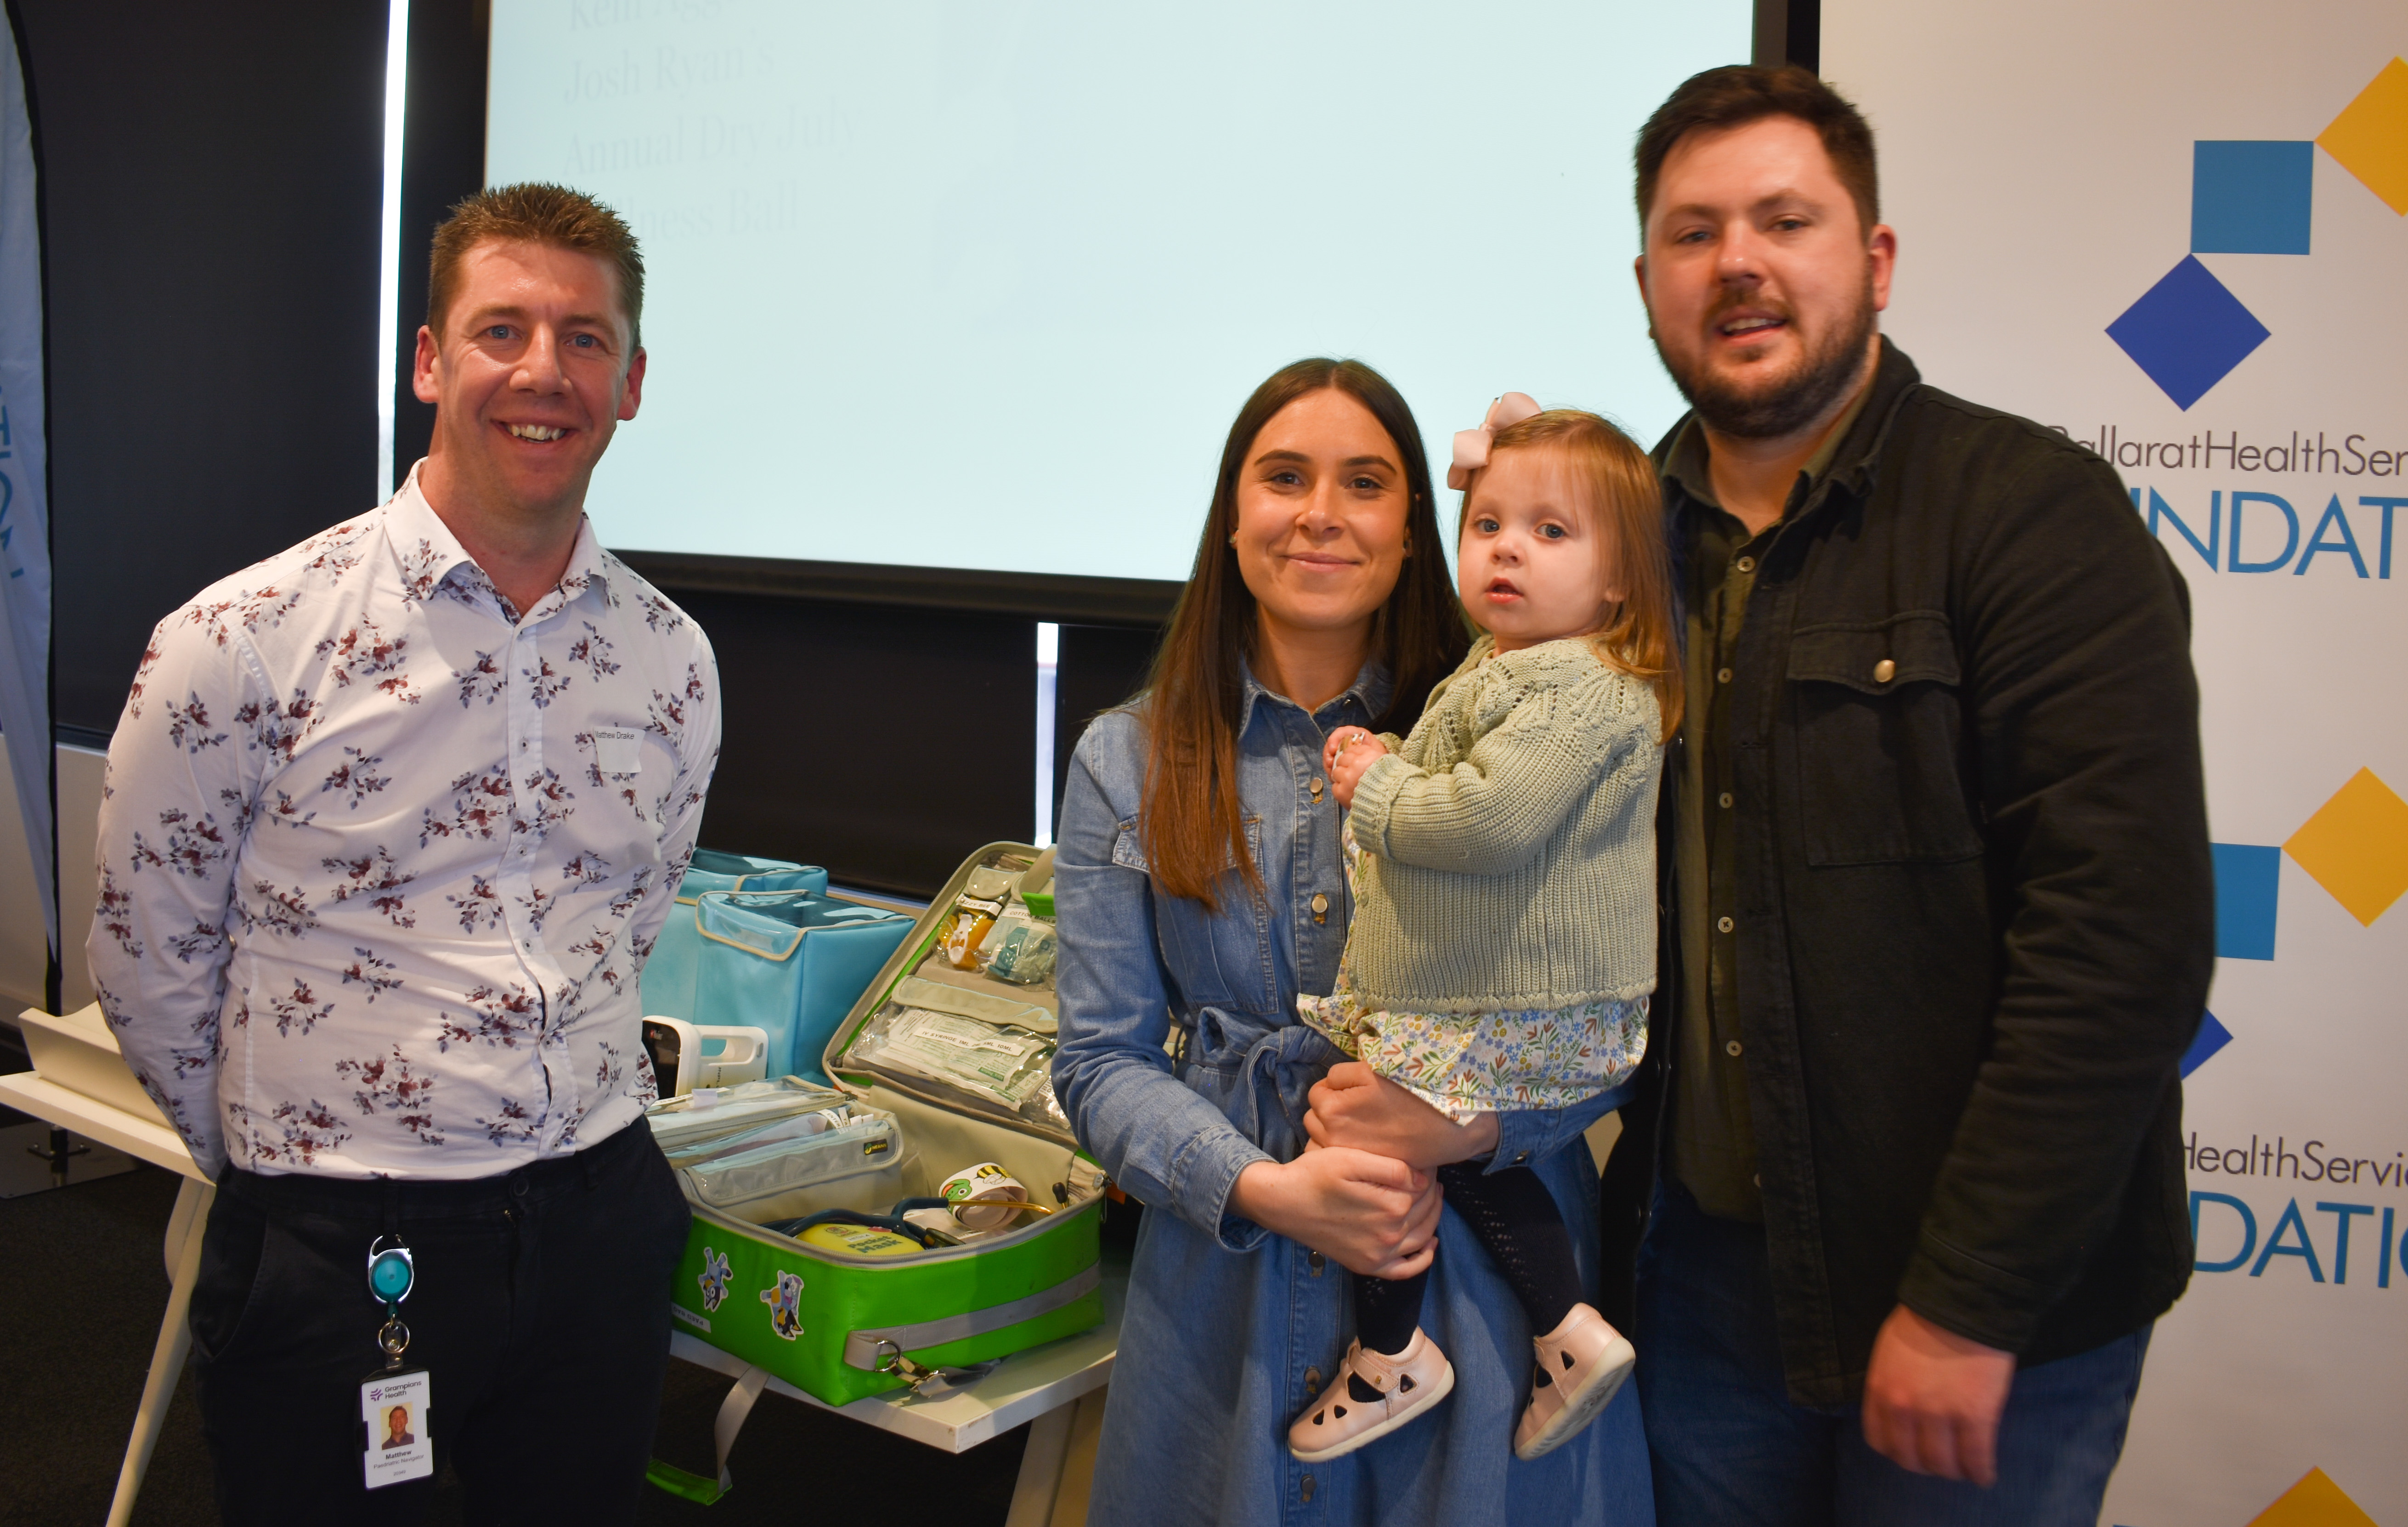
x: 862, y: 1348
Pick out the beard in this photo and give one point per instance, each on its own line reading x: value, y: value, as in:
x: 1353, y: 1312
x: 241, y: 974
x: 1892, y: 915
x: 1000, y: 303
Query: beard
x: 1770, y: 407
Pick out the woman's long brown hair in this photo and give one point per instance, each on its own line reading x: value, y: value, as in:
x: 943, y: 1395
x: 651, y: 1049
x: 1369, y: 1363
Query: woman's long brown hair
x: 1192, y: 825
x: 1626, y: 503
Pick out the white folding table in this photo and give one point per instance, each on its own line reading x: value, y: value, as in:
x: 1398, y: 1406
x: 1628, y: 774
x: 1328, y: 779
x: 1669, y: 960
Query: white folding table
x: 1059, y: 1386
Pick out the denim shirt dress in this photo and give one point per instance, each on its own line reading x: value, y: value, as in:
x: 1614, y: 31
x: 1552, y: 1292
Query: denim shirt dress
x: 1230, y: 1329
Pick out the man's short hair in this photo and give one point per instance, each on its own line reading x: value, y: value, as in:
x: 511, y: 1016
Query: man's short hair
x: 1738, y: 93
x: 533, y: 212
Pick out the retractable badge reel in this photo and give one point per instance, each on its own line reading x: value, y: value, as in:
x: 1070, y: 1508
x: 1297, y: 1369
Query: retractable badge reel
x: 394, y: 1399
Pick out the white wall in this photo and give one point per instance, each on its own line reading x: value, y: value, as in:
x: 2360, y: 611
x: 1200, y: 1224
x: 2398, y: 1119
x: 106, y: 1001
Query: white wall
x: 23, y: 960
x: 79, y: 777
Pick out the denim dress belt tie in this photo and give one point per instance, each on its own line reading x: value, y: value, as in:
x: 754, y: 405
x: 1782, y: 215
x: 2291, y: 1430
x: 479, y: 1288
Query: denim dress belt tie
x: 1265, y: 1094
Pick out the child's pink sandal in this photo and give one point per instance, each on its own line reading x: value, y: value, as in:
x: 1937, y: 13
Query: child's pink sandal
x: 1582, y: 1363
x: 1401, y: 1386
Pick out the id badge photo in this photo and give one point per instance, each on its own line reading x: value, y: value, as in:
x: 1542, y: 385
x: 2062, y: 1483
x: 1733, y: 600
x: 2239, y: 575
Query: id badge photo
x: 400, y: 1446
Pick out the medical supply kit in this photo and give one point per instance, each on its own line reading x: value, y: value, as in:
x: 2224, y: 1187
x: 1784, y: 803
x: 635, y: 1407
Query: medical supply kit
x: 669, y: 971
x: 912, y: 1206
x: 753, y: 971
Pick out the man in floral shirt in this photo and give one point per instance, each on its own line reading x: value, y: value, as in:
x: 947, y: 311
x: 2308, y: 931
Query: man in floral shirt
x: 391, y: 820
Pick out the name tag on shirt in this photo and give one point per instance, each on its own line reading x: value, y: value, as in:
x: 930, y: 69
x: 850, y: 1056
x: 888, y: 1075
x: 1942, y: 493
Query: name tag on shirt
x: 618, y: 749
x: 393, y: 1408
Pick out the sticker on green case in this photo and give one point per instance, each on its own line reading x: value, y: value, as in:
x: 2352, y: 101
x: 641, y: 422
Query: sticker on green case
x: 714, y: 1277
x: 785, y: 1305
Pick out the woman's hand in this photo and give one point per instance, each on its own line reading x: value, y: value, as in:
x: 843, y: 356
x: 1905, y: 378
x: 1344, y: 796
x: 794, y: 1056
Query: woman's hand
x: 1368, y: 1214
x: 1355, y: 1107
x: 1348, y: 753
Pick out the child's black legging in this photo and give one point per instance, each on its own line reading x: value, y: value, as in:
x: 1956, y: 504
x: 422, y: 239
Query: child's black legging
x: 1516, y: 1220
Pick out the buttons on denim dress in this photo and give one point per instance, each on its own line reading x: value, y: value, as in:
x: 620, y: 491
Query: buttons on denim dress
x: 1320, y: 905
x: 1884, y: 671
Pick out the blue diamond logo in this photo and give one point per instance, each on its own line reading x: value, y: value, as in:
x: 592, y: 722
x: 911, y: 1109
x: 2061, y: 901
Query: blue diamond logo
x: 2251, y: 198
x: 2248, y: 880
x: 2188, y: 331
x: 2212, y: 1037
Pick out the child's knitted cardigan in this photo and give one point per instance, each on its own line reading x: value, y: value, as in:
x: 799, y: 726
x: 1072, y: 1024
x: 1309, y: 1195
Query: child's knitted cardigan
x: 1513, y: 840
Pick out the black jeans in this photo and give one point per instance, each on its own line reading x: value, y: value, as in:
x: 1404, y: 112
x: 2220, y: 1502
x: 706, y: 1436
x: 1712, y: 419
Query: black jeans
x: 541, y: 1313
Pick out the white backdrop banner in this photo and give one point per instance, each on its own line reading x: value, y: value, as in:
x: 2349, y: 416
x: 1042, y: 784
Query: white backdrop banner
x: 2179, y: 233
x: 24, y: 499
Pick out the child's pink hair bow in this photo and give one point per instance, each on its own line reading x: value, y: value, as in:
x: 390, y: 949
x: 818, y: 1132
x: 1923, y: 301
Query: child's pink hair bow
x: 1471, y: 446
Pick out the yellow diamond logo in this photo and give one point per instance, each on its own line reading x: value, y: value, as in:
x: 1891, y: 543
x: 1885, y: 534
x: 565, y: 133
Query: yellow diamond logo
x: 2356, y: 846
x: 2313, y: 1502
x: 2370, y: 139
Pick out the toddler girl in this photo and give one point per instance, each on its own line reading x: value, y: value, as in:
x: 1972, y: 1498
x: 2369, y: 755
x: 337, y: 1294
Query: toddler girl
x: 1502, y: 858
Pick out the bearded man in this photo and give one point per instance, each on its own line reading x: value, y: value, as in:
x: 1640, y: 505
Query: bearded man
x: 1939, y: 918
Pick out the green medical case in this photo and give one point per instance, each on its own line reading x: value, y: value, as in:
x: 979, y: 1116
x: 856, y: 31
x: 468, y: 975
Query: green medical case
x: 840, y: 1326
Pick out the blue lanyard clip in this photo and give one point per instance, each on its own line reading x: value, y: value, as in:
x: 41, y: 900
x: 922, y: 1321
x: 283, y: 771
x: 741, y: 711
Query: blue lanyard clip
x: 392, y: 1271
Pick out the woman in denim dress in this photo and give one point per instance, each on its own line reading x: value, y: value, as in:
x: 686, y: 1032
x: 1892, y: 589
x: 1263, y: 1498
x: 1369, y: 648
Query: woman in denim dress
x: 1200, y: 888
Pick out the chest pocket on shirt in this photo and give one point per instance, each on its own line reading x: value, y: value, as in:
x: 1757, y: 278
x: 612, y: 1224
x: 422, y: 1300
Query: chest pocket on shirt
x: 1215, y: 960
x: 619, y: 750
x: 1879, y: 767
x: 624, y: 777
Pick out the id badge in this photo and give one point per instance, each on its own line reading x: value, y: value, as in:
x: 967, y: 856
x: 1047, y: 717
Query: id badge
x: 393, y: 1411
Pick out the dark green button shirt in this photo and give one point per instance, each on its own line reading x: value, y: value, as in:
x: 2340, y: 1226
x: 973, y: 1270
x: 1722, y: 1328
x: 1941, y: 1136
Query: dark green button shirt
x: 1712, y: 1140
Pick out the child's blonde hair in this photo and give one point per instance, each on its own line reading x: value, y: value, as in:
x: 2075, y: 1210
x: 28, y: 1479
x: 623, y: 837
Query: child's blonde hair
x: 1623, y: 500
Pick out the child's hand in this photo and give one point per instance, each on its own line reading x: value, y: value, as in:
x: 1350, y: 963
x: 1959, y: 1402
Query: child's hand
x: 1348, y: 753
x: 1355, y: 1108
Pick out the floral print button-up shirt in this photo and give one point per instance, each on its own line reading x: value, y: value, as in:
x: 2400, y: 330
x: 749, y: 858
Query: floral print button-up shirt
x: 380, y: 857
